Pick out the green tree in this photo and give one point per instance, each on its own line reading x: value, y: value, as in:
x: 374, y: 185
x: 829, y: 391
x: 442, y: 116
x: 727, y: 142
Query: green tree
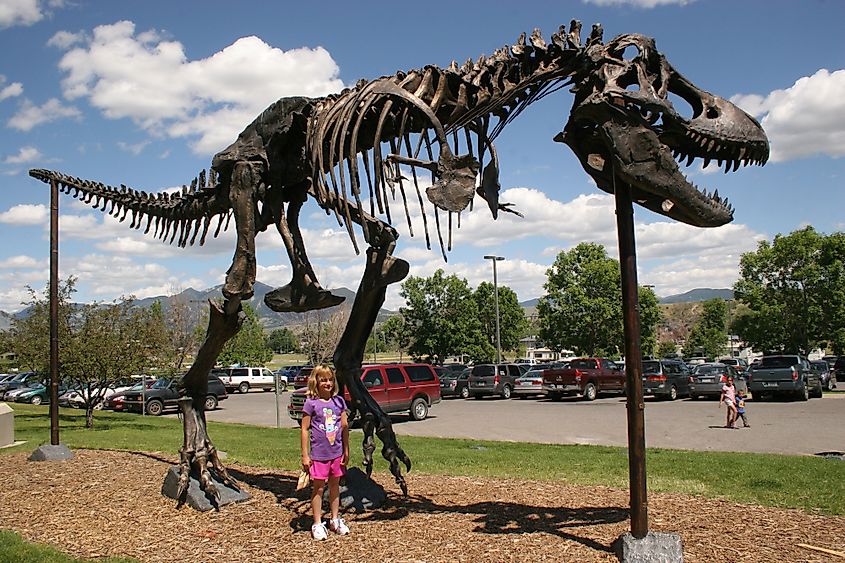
x: 512, y: 321
x: 29, y: 336
x: 709, y: 336
x: 108, y: 344
x: 249, y: 347
x: 441, y: 319
x: 282, y: 340
x: 667, y: 349
x: 582, y: 308
x: 794, y: 288
x: 395, y: 331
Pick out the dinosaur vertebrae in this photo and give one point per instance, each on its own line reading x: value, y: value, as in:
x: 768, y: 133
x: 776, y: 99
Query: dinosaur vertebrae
x: 456, y: 100
x: 178, y: 215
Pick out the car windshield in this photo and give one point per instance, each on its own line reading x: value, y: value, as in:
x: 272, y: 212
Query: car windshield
x: 651, y: 367
x: 708, y: 370
x: 161, y: 384
x: 775, y: 362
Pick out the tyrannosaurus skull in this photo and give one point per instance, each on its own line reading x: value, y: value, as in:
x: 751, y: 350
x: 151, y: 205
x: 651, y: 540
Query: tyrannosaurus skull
x: 624, y: 128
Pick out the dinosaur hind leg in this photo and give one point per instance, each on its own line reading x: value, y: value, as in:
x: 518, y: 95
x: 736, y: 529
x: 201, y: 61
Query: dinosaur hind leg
x: 304, y: 292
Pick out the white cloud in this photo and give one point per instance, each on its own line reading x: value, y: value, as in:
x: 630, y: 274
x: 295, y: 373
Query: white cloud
x: 19, y: 12
x: 10, y: 91
x: 134, y: 148
x: 11, y: 300
x: 65, y: 39
x: 806, y: 119
x: 638, y: 3
x: 151, y: 81
x: 20, y: 262
x: 25, y: 154
x: 29, y: 115
x: 25, y: 214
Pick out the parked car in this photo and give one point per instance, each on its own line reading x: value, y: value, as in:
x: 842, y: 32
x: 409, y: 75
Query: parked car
x: 839, y: 368
x: 395, y: 387
x: 300, y: 380
x: 242, y: 379
x: 739, y: 364
x: 283, y: 375
x: 784, y: 374
x: 530, y: 384
x: 23, y: 379
x: 667, y: 379
x: 78, y: 397
x: 584, y: 376
x: 823, y: 372
x: 165, y: 393
x: 486, y: 379
x: 38, y: 394
x: 706, y: 380
x: 454, y: 383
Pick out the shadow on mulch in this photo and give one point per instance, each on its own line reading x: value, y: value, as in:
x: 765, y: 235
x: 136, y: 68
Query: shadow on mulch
x: 492, y: 517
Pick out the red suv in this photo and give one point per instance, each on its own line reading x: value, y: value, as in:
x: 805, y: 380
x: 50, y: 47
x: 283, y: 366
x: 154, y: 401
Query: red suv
x: 395, y: 387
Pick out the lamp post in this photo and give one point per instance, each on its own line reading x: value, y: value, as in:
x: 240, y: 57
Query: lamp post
x: 496, y: 299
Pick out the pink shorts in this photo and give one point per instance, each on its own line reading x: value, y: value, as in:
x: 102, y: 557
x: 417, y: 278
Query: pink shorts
x: 322, y: 470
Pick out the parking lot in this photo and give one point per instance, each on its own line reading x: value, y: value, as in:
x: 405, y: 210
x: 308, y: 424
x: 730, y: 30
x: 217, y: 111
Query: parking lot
x: 789, y: 427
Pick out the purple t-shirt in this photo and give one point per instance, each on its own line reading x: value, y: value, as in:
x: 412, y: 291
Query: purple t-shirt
x: 326, y: 432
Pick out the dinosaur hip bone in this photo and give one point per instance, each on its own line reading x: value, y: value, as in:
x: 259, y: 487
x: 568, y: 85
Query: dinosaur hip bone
x: 294, y: 298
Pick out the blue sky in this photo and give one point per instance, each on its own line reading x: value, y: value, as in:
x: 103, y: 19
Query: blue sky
x: 144, y: 93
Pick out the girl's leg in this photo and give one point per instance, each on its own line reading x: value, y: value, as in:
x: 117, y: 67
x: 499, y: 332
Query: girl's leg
x: 317, y: 487
x: 334, y: 496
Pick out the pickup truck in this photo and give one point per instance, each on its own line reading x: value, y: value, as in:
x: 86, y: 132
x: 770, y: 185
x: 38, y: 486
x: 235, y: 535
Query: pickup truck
x: 244, y: 379
x: 784, y: 374
x: 586, y: 377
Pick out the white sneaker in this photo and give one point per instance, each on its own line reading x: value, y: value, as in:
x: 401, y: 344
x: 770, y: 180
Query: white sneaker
x: 318, y: 532
x: 338, y: 526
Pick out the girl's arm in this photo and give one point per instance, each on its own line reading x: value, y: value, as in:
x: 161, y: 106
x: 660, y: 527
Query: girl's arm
x: 344, y: 429
x: 303, y: 441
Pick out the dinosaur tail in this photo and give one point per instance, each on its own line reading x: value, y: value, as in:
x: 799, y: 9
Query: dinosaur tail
x: 178, y: 215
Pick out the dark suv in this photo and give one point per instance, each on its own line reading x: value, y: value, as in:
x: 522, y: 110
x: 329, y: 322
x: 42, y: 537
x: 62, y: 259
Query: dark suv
x: 485, y: 379
x: 668, y: 379
x: 165, y: 393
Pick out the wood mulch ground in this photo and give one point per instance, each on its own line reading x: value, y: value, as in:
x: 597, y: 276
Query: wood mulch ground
x: 109, y: 503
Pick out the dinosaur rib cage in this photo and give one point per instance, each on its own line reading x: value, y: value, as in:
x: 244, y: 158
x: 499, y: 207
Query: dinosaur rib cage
x: 178, y: 215
x: 458, y: 101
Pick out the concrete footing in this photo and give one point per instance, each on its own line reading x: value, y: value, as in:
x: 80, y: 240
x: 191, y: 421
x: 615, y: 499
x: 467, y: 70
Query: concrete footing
x: 49, y: 452
x: 196, y: 497
x: 656, y: 547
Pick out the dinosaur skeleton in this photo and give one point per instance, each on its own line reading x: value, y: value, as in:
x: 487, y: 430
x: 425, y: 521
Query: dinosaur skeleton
x: 622, y: 127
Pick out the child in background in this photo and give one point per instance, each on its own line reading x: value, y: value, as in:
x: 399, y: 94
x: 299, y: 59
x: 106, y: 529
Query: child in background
x: 740, y: 408
x: 729, y: 398
x: 325, y: 429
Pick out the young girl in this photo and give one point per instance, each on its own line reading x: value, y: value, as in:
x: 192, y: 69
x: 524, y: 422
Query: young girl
x: 325, y: 419
x: 729, y: 398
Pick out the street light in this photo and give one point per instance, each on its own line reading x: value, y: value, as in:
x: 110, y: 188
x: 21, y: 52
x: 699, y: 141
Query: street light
x: 496, y: 298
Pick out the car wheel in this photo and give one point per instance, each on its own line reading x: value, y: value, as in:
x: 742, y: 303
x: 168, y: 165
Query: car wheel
x: 243, y: 387
x: 804, y: 392
x: 98, y: 406
x: 210, y: 403
x: 590, y: 392
x: 419, y: 409
x: 155, y: 407
x: 36, y: 400
x: 464, y: 393
x: 673, y: 393
x: 506, y: 392
x: 283, y: 387
x: 819, y: 390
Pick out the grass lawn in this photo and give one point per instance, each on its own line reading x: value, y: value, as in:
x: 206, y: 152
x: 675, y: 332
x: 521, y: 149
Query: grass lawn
x: 806, y: 482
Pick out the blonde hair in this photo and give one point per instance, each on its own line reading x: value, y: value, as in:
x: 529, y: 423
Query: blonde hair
x: 316, y: 373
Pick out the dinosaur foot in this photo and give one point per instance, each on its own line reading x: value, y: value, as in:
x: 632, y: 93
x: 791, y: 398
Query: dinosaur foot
x: 199, y: 457
x: 291, y: 299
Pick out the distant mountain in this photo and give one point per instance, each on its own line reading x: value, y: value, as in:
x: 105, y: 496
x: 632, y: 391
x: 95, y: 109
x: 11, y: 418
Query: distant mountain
x: 691, y: 296
x: 197, y: 302
x: 696, y: 295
